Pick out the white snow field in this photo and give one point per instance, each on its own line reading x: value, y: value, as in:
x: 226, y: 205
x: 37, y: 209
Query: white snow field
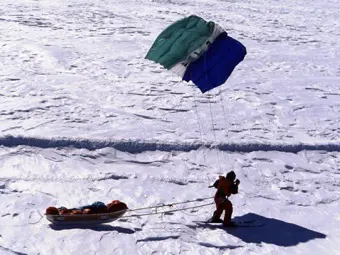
x: 84, y: 118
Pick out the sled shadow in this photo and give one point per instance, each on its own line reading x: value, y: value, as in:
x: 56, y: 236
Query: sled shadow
x: 99, y: 228
x: 273, y: 231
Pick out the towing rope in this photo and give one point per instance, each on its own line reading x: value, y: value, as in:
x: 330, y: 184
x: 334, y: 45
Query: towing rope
x: 172, y: 204
x: 163, y: 212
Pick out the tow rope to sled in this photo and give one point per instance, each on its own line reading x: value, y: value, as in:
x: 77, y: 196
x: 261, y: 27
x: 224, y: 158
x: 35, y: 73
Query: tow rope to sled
x: 156, y: 207
x: 167, y: 205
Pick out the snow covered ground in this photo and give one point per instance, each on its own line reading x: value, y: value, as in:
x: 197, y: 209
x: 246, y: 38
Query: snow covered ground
x: 84, y: 117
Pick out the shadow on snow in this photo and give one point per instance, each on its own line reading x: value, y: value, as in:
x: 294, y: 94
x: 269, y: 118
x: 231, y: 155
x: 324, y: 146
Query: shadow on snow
x: 273, y: 231
x: 99, y: 227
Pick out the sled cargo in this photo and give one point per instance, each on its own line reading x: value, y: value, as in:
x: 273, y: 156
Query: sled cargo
x: 96, y: 213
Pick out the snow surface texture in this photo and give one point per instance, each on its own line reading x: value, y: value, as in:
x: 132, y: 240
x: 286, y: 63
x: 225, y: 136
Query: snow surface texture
x: 84, y: 117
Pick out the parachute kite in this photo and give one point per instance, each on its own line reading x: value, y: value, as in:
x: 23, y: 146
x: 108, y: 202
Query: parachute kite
x: 199, y: 51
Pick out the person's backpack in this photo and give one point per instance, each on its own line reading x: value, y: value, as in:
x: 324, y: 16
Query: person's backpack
x: 216, y: 184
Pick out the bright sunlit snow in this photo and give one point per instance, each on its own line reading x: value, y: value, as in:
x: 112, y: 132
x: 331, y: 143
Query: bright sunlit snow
x: 84, y: 117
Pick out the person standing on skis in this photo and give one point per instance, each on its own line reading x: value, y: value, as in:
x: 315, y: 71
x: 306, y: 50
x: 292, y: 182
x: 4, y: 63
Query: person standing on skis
x: 225, y: 187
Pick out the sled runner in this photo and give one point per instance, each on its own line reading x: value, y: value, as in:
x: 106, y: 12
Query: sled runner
x: 98, y: 218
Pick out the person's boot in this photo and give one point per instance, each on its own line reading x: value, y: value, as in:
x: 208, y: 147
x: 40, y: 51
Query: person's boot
x: 216, y: 220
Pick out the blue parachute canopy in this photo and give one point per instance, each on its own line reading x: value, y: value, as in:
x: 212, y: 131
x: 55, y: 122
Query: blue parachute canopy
x: 215, y: 66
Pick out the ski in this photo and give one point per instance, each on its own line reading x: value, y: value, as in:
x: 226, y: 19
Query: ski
x: 236, y: 224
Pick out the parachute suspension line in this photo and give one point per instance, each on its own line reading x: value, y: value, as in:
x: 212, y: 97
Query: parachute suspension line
x: 197, y: 116
x: 211, y: 118
x: 211, y: 115
x: 213, y: 129
x: 221, y: 101
x: 200, y: 130
x: 224, y: 113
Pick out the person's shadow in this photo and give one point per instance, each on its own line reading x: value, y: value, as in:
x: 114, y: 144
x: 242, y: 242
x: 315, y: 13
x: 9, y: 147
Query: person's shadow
x: 272, y: 231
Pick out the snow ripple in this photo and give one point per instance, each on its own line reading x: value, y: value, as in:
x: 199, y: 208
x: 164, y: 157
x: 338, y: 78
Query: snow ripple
x: 10, y: 251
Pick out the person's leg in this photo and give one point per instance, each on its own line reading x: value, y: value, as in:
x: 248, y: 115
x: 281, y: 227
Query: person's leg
x: 219, y: 209
x: 228, y: 207
x: 217, y: 214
